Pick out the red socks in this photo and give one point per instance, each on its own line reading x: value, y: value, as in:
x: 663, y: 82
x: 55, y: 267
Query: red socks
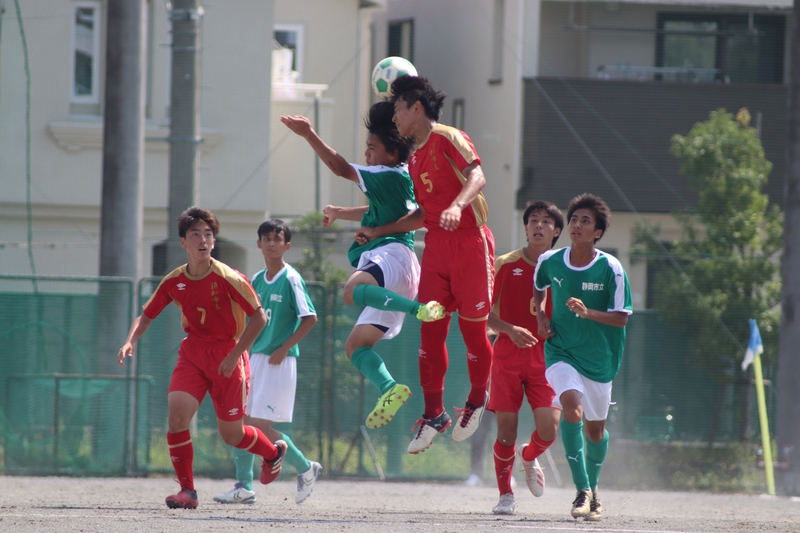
x: 257, y: 443
x: 536, y: 447
x: 479, y: 358
x: 433, y: 364
x: 503, y: 466
x: 181, y: 453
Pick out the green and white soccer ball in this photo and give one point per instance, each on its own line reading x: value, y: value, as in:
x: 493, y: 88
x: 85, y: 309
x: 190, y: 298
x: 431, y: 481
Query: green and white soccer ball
x: 386, y: 71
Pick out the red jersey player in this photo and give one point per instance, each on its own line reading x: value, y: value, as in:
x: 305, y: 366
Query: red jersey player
x: 457, y: 266
x: 215, y: 301
x: 518, y: 366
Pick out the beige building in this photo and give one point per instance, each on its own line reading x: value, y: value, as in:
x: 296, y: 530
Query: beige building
x: 249, y: 167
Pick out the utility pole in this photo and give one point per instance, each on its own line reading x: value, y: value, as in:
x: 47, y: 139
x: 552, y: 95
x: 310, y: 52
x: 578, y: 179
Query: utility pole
x: 122, y: 191
x: 184, y: 138
x: 788, y: 429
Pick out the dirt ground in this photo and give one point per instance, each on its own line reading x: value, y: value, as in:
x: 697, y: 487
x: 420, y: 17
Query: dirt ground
x: 50, y: 504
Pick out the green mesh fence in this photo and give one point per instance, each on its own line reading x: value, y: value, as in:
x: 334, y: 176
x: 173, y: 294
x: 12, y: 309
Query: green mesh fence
x: 68, y: 408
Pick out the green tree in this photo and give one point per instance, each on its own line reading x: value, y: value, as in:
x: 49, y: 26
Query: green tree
x: 726, y: 264
x: 314, y: 266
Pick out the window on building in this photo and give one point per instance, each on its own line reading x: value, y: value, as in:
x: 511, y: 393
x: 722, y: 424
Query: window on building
x: 458, y: 114
x: 721, y: 48
x: 497, y: 41
x: 290, y: 37
x: 401, y: 39
x: 86, y: 53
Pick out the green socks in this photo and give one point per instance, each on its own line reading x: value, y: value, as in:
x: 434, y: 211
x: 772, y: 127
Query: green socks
x: 595, y: 456
x: 369, y: 363
x: 383, y: 299
x: 244, y: 461
x: 294, y: 456
x: 572, y: 437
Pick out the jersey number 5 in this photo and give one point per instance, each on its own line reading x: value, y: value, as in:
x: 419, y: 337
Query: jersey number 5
x: 426, y: 181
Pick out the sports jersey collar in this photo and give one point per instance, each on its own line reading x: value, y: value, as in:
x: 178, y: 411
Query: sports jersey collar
x: 201, y: 276
x: 277, y: 276
x: 597, y: 254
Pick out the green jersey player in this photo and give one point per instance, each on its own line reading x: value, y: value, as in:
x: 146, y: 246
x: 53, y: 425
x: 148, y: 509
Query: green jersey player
x: 591, y: 303
x: 387, y: 271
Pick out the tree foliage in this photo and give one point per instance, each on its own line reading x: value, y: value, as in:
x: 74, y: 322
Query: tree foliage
x: 314, y: 266
x: 725, y: 268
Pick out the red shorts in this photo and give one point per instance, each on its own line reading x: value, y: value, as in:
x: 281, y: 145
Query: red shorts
x: 197, y: 372
x: 458, y: 270
x: 515, y: 370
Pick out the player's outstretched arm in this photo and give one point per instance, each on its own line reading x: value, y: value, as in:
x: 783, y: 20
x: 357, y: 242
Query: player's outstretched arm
x: 451, y: 217
x: 138, y: 328
x: 306, y: 323
x: 254, y: 326
x: 412, y: 221
x: 334, y: 212
x: 518, y: 335
x: 338, y: 164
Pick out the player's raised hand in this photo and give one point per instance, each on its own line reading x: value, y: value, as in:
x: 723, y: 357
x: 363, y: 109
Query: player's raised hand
x: 577, y: 306
x: 331, y: 213
x: 522, y: 337
x: 125, y: 351
x: 298, y: 124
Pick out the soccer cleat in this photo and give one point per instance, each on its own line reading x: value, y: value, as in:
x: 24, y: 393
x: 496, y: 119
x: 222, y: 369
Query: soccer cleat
x: 305, y: 482
x: 430, y: 312
x: 238, y: 494
x: 185, y: 499
x: 580, y: 505
x: 270, y: 468
x: 428, y: 429
x: 387, y: 406
x: 534, y: 474
x: 595, y: 508
x: 469, y: 419
x: 506, y: 505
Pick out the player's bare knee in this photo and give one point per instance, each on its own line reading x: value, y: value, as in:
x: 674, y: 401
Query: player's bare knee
x: 507, y: 438
x: 347, y: 294
x: 232, y: 438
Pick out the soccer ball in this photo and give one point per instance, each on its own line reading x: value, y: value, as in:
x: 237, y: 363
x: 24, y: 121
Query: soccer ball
x: 386, y: 71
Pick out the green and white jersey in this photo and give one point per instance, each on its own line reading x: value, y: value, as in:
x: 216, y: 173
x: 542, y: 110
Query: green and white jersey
x: 593, y: 349
x: 285, y: 301
x: 391, y: 196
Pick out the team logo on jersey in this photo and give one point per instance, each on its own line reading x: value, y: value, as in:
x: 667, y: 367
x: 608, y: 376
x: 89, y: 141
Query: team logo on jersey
x: 517, y: 271
x: 181, y: 286
x: 234, y: 411
x: 480, y: 305
x: 592, y: 287
x: 558, y: 280
x: 276, y: 298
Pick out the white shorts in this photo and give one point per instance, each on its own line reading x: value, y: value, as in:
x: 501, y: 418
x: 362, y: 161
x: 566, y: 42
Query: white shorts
x: 595, y: 396
x: 272, y: 388
x: 400, y: 274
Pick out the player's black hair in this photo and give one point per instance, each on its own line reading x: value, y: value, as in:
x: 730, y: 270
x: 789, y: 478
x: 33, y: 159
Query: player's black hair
x: 192, y: 216
x: 548, y: 208
x: 602, y: 214
x: 412, y: 89
x: 379, y: 123
x: 276, y: 226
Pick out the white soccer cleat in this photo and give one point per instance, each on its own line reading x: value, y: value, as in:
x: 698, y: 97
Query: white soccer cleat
x: 506, y: 505
x: 427, y: 429
x: 238, y: 494
x: 534, y: 474
x: 469, y: 420
x: 306, y: 481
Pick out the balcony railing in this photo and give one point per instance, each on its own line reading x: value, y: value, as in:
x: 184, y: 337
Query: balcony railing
x: 678, y: 74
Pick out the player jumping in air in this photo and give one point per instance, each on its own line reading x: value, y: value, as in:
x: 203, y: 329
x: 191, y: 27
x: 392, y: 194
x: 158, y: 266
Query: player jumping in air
x: 273, y: 362
x: 215, y: 301
x: 387, y: 270
x: 518, y: 364
x: 585, y: 340
x: 458, y: 264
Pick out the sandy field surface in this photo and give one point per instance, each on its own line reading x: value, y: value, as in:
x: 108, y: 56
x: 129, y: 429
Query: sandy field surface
x: 50, y: 504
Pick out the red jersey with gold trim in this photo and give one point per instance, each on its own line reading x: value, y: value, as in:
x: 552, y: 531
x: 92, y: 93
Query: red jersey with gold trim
x: 214, y: 306
x: 512, y: 299
x: 436, y: 170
